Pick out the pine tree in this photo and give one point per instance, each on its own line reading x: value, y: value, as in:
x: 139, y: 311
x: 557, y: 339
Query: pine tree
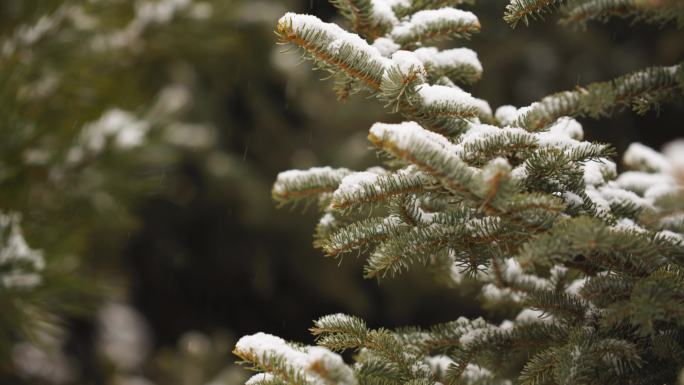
x: 515, y: 200
x: 72, y: 115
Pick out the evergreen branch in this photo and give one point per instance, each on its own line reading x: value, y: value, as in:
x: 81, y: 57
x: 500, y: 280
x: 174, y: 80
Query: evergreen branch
x: 559, y: 304
x: 579, y: 12
x: 429, y: 151
x: 362, y: 188
x: 534, y: 211
x: 588, y: 241
x: 264, y: 379
x: 407, y: 209
x: 294, y: 364
x: 606, y: 289
x: 513, y: 144
x: 406, y: 8
x: 588, y: 355
x: 494, y: 186
x: 431, y: 25
x: 460, y: 65
x: 399, y: 91
x: 333, y: 49
x: 418, y: 244
x: 361, y: 235
x: 374, y: 370
x: 339, y: 332
x: 294, y: 185
x: 369, y: 18
x: 396, y: 254
x: 523, y: 10
x: 446, y: 337
x: 653, y: 300
x: 538, y: 370
x: 600, y: 99
x: 438, y: 101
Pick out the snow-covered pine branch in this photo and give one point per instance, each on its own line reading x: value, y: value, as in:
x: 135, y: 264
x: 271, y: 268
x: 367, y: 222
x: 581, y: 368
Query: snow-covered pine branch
x: 579, y: 12
x: 523, y: 10
x: 582, y: 258
x: 641, y: 90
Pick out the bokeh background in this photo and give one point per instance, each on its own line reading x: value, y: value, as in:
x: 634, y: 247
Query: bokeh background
x: 140, y: 142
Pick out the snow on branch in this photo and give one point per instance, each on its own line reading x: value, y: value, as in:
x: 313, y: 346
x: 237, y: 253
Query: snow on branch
x: 431, y: 152
x: 435, y: 24
x: 579, y: 12
x: 460, y: 65
x: 444, y: 101
x: 294, y: 185
x: 333, y: 48
x: 368, y: 18
x: 523, y: 10
x: 362, y: 188
x: 640, y: 90
x: 20, y: 265
x: 300, y: 365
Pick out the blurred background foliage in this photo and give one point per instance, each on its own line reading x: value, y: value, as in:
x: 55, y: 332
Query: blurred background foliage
x: 140, y: 141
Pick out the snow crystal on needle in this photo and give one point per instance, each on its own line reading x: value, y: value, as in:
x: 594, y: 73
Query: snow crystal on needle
x: 595, y: 196
x: 421, y: 21
x: 439, y: 95
x: 355, y: 183
x: 627, y: 224
x: 530, y: 315
x: 261, y: 344
x: 440, y: 363
x: 407, y: 61
x: 339, y: 36
x: 596, y: 171
x: 572, y: 199
x: 294, y: 177
x: 472, y: 335
x: 307, y: 361
x: 408, y: 135
x: 449, y: 58
x: 260, y: 378
x: 568, y: 127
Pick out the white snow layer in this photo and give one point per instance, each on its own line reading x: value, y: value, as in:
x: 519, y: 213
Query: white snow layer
x: 340, y: 37
x: 438, y: 95
x: 306, y: 361
x: 408, y: 62
x: 382, y: 12
x: 506, y: 115
x: 386, y: 46
x: 449, y: 58
x: 356, y: 183
x: 644, y: 158
x: 20, y: 265
x: 408, y: 135
x: 294, y: 177
x: 423, y: 20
